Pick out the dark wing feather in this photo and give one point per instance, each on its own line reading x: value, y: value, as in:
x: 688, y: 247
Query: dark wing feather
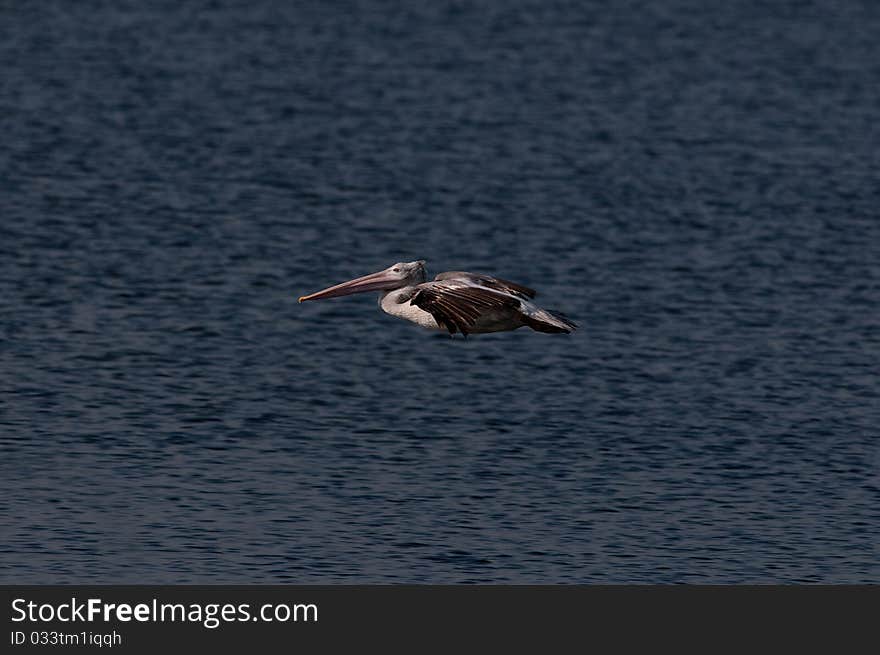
x: 457, y: 306
x: 505, y: 286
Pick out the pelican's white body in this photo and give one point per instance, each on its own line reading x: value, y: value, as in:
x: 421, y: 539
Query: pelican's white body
x: 396, y: 303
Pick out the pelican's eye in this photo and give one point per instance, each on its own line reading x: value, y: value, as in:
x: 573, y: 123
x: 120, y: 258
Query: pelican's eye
x: 397, y: 270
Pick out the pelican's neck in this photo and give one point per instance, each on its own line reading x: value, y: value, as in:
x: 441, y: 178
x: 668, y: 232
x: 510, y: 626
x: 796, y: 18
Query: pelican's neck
x: 396, y: 303
x: 395, y: 297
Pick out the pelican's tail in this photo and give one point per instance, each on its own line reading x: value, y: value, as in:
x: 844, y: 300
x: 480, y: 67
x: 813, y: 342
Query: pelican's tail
x: 548, y: 320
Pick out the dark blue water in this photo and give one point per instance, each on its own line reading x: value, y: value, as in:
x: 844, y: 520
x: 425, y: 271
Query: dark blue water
x: 697, y: 184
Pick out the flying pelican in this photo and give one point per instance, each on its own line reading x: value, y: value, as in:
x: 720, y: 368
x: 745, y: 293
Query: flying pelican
x: 456, y: 301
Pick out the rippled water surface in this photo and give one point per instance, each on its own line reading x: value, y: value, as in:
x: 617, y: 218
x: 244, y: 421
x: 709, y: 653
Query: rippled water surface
x: 696, y: 183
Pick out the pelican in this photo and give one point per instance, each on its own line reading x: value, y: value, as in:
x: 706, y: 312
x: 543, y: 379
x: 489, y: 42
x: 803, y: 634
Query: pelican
x: 456, y: 301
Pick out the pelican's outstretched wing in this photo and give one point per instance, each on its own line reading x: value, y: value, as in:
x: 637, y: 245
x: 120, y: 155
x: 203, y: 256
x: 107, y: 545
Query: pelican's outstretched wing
x: 457, y: 303
x: 489, y: 282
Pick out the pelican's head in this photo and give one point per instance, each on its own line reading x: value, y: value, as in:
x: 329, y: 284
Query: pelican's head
x: 396, y: 276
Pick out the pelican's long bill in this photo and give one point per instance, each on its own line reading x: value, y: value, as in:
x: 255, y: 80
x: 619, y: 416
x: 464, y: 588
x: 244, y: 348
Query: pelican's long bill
x: 373, y: 282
